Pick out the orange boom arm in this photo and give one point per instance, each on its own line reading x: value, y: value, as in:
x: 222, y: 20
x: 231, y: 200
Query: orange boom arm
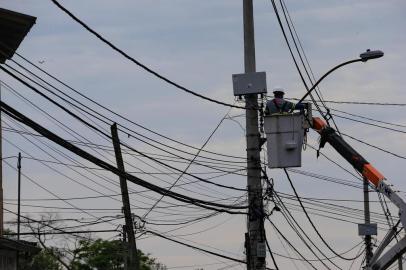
x: 329, y: 135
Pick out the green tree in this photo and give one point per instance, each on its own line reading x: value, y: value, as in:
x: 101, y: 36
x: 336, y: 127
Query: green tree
x: 44, y: 260
x: 107, y: 255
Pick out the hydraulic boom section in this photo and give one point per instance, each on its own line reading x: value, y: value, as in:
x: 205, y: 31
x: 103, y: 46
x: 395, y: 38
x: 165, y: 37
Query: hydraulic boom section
x: 329, y: 135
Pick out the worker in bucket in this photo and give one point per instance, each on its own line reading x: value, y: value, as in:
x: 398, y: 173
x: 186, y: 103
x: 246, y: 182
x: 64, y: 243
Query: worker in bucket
x: 278, y: 105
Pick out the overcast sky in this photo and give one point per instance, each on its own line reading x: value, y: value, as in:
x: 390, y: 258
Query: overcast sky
x: 199, y: 44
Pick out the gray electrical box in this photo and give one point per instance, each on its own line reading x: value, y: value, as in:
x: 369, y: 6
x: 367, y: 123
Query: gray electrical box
x: 261, y: 250
x: 284, y: 136
x: 249, y: 83
x: 367, y: 229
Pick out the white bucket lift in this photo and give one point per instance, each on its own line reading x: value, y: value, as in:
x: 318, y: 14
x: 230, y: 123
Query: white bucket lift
x: 284, y: 134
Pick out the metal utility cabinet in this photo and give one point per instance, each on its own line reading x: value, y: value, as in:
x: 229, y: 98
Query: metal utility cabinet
x: 284, y: 133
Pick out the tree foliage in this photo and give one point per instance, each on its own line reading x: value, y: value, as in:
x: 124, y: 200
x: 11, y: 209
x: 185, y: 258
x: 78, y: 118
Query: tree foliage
x: 44, y: 260
x: 107, y: 255
x: 99, y: 254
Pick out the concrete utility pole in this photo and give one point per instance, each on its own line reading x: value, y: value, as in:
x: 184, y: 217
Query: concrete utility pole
x: 255, y: 252
x: 132, y: 256
x: 1, y: 173
x: 19, y: 206
x: 367, y: 218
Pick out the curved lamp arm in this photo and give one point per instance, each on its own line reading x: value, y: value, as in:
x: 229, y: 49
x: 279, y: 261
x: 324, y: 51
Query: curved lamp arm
x: 363, y: 58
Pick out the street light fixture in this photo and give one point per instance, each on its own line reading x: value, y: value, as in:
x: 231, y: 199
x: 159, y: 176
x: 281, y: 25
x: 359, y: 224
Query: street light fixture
x: 368, y: 55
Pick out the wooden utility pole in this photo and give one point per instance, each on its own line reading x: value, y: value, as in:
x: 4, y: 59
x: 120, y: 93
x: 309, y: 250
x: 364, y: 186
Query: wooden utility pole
x: 132, y: 256
x: 256, y: 253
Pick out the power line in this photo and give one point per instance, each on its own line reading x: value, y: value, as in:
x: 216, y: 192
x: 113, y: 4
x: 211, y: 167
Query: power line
x: 45, y: 224
x: 130, y: 164
x: 138, y: 63
x: 110, y: 180
x: 50, y: 192
x: 196, y: 162
x: 311, y: 222
x: 368, y: 118
x: 336, y: 210
x: 374, y: 146
x: 359, y: 102
x: 188, y: 166
x: 97, y: 115
x: 311, y: 78
x: 196, y: 248
x: 107, y: 135
x: 290, y: 244
x: 314, y: 260
x: 115, y: 113
x: 289, y: 218
x: 334, y: 162
x: 327, y: 178
x: 295, y: 61
x: 55, y: 138
x: 371, y: 124
x: 62, y: 232
x: 271, y: 253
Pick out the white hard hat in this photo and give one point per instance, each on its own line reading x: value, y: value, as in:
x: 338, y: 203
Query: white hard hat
x: 278, y: 90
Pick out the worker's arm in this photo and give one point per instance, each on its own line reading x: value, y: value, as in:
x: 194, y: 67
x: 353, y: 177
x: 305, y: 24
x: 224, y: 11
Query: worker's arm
x: 300, y: 106
x: 266, y: 109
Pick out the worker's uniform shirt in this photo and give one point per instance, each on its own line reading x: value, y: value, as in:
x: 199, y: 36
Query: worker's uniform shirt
x: 279, y: 106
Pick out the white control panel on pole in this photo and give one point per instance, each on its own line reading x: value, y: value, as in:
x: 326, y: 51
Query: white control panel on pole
x: 249, y: 83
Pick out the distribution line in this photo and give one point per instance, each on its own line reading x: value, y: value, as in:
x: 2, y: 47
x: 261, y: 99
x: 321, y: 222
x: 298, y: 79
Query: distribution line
x: 370, y: 124
x: 109, y: 196
x: 359, y: 102
x: 334, y: 162
x: 328, y: 205
x: 117, y: 114
x: 271, y: 253
x: 292, y: 222
x: 290, y: 244
x: 327, y: 178
x: 336, y: 211
x: 197, y: 248
x: 141, y: 160
x: 70, y: 178
x: 295, y: 61
x: 227, y: 173
x: 289, y: 23
x: 81, y: 107
x: 191, y: 162
x: 314, y: 260
x: 368, y: 118
x: 50, y: 192
x: 311, y: 222
x: 105, y: 134
x: 55, y: 138
x: 374, y: 146
x: 95, y: 112
x: 55, y: 229
x: 149, y: 70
